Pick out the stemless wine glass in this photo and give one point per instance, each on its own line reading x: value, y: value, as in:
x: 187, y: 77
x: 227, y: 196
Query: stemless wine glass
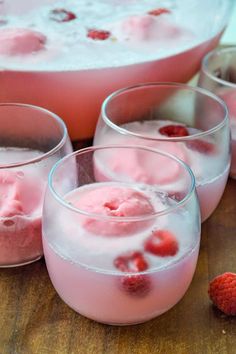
x: 32, y: 139
x: 189, y: 122
x: 123, y: 248
x: 218, y: 74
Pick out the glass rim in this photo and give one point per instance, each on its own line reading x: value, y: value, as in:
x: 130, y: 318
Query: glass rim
x: 44, y: 155
x: 172, y: 85
x: 90, y: 149
x: 209, y: 56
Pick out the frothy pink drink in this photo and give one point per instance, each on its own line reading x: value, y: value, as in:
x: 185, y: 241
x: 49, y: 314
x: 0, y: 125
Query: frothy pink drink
x: 88, y: 49
x: 118, y: 269
x: 22, y: 189
x: 202, y: 154
x: 123, y: 30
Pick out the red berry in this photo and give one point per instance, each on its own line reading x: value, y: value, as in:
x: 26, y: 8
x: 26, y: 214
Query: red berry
x: 98, y: 34
x: 162, y: 243
x: 173, y: 131
x: 136, y: 285
x: 62, y: 15
x: 131, y: 262
x: 178, y: 196
x: 202, y: 146
x: 158, y: 12
x: 222, y: 292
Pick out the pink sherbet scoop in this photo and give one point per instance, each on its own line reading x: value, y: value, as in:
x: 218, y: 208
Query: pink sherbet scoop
x: 133, y: 165
x: 19, y: 195
x: 20, y: 41
x: 114, y: 202
x: 10, y: 204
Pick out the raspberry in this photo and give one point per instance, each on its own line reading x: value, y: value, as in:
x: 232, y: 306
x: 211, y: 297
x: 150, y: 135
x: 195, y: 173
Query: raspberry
x: 131, y: 262
x: 136, y: 285
x: 62, y: 15
x: 98, y: 34
x: 178, y: 196
x: 173, y: 131
x: 202, y: 146
x: 158, y: 12
x: 222, y: 292
x: 162, y: 243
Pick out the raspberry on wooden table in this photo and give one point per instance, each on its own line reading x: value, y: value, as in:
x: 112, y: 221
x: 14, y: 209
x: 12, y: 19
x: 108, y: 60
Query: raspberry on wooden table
x: 222, y: 292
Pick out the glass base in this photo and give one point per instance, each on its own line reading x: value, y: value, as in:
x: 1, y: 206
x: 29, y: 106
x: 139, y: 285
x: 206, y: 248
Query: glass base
x: 119, y: 324
x: 21, y: 264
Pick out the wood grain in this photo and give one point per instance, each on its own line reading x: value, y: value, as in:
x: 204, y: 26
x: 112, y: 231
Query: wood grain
x: 35, y: 321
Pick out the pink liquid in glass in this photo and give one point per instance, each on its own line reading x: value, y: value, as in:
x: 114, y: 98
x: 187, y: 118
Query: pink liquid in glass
x: 202, y: 154
x: 141, y: 47
x: 22, y: 189
x: 80, y: 258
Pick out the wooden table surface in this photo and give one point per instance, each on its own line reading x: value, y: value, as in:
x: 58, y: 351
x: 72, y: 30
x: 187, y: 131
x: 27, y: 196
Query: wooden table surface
x: 34, y: 319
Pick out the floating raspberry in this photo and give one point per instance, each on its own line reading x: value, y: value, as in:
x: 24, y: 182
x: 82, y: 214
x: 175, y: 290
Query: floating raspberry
x: 222, y: 292
x: 98, y: 35
x: 162, y: 243
x: 202, y: 146
x: 131, y: 262
x: 158, y: 12
x: 62, y: 15
x: 136, y: 285
x: 173, y: 131
x: 176, y: 195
